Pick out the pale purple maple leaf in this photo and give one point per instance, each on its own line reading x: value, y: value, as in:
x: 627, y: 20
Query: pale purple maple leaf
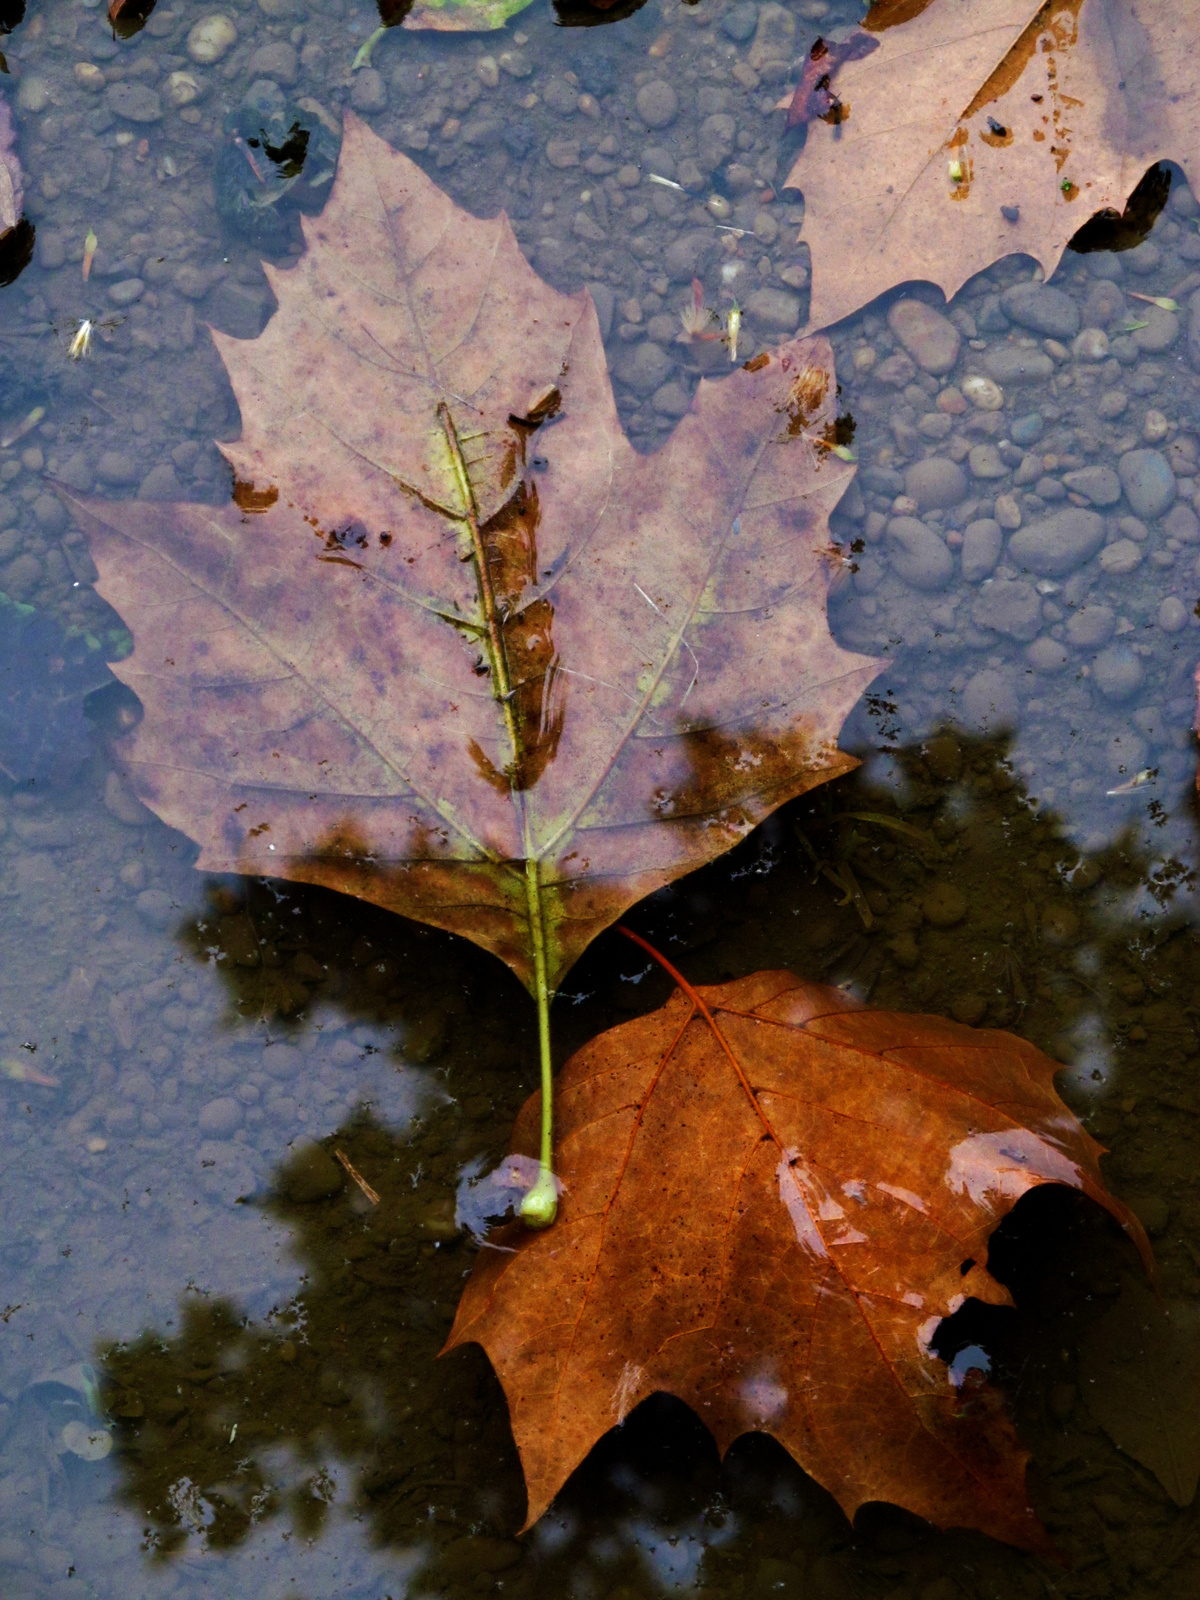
x: 10, y: 172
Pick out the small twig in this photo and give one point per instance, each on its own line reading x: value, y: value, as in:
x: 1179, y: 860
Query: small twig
x: 854, y: 894
x: 357, y: 1176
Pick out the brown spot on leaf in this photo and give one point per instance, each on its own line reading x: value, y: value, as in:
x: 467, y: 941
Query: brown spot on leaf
x: 247, y: 498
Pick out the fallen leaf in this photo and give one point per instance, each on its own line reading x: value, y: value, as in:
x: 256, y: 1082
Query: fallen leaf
x: 1054, y: 111
x: 12, y: 14
x: 1138, y: 1373
x: 771, y: 1199
x: 128, y: 17
x: 337, y: 691
x: 450, y: 16
x: 11, y: 195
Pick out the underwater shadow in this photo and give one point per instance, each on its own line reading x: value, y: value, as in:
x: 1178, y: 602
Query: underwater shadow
x: 945, y: 888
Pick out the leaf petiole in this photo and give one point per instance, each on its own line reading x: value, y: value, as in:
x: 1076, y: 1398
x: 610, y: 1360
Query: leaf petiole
x: 363, y: 57
x: 540, y: 1204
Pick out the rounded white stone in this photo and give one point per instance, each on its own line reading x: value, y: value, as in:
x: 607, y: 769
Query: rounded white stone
x: 211, y: 38
x: 1155, y: 427
x: 88, y: 76
x: 182, y: 88
x: 983, y: 393
x: 91, y: 1444
x: 1091, y: 344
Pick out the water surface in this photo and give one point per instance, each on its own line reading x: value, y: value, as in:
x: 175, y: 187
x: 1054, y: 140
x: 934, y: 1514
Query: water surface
x: 217, y: 1357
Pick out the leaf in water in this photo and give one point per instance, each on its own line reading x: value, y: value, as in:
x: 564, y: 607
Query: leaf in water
x: 45, y: 676
x: 771, y: 1198
x: 457, y: 648
x: 979, y: 131
x: 1139, y: 1374
x: 11, y: 189
x: 129, y: 17
x: 449, y: 16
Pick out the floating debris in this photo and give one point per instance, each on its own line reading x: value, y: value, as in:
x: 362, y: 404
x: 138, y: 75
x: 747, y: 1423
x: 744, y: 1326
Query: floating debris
x: 357, y: 1176
x: 696, y: 317
x: 21, y: 1072
x: 81, y: 343
x: 1138, y: 781
x: 26, y: 425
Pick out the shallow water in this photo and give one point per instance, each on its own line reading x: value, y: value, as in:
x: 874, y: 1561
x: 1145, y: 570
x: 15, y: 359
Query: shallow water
x: 217, y: 1356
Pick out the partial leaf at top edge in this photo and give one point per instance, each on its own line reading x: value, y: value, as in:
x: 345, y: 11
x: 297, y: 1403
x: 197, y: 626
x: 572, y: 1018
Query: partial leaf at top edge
x: 986, y: 130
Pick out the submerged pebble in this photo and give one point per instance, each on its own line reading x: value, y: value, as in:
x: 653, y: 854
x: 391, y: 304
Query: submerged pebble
x: 983, y: 540
x: 944, y: 906
x: 935, y: 483
x: 989, y: 702
x: 1172, y: 615
x: 983, y: 392
x: 89, y: 1442
x: 220, y: 1117
x: 1059, y: 543
x: 1041, y: 308
x: 918, y: 555
x: 930, y: 338
x: 1117, y: 672
x: 311, y: 1174
x: 211, y: 38
x: 1148, y: 482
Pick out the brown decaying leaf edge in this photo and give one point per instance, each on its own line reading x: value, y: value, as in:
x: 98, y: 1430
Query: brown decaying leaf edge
x: 1053, y: 112
x: 453, y: 623
x: 771, y: 1198
x: 129, y: 16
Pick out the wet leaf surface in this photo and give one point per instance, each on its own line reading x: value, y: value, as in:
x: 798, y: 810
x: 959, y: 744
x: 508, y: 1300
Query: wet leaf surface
x: 772, y: 1199
x: 455, y: 635
x: 976, y: 132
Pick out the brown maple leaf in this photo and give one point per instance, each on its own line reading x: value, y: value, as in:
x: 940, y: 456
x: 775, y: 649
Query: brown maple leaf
x: 457, y: 648
x: 772, y: 1197
x: 976, y: 131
